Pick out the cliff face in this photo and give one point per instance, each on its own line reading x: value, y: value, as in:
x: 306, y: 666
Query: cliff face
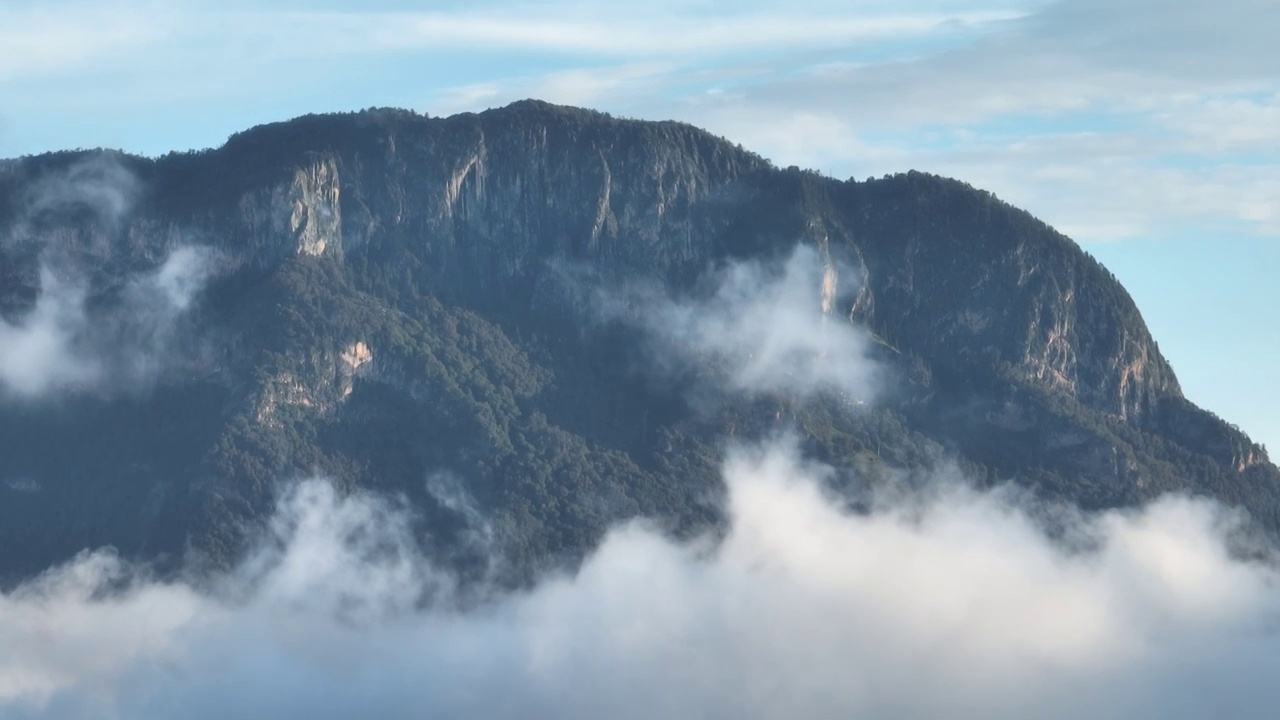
x: 497, y: 195
x: 390, y: 300
x: 995, y: 289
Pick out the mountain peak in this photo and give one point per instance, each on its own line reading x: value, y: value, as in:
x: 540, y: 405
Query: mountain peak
x: 461, y: 262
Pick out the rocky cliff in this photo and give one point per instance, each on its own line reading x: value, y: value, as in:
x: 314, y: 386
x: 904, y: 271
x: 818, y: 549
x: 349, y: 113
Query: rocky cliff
x: 391, y: 296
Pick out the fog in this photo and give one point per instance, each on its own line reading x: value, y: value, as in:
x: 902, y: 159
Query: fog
x: 757, y: 328
x: 109, y: 335
x: 99, y: 183
x: 124, y: 344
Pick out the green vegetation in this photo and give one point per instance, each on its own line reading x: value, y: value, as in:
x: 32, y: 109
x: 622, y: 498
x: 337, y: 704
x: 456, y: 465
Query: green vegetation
x: 1008, y: 350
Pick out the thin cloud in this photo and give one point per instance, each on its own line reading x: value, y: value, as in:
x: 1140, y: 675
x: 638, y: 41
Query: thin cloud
x: 633, y: 34
x: 60, y: 346
x: 1150, y: 78
x: 1067, y: 56
x: 60, y: 41
x: 854, y: 92
x: 760, y: 328
x: 1229, y: 123
x: 122, y: 341
x: 1180, y: 39
x: 98, y: 183
x: 1175, y: 96
x: 38, y: 353
x: 36, y: 43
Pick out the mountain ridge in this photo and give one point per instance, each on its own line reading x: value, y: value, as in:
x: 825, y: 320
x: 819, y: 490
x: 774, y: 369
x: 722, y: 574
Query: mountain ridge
x: 383, y: 270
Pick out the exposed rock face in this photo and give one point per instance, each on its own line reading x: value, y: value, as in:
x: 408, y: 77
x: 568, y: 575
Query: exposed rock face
x: 499, y: 194
x: 995, y: 289
x: 394, y: 302
x: 502, y: 193
x: 321, y: 385
x: 353, y: 359
x: 306, y: 212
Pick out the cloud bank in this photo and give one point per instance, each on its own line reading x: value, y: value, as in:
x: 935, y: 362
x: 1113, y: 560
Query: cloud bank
x: 950, y: 604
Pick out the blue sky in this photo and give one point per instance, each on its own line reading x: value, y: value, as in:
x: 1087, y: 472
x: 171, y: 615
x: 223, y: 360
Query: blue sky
x: 1148, y: 130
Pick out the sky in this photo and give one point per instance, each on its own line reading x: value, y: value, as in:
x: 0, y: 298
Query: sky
x: 1147, y: 130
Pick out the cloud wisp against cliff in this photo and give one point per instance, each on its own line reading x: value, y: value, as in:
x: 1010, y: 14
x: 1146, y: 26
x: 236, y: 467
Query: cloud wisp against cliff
x: 78, y: 335
x: 61, y: 345
x: 98, y: 183
x: 758, y: 328
x: 953, y: 604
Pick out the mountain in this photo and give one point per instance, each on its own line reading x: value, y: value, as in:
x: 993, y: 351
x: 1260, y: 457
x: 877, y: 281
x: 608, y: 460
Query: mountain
x: 430, y: 307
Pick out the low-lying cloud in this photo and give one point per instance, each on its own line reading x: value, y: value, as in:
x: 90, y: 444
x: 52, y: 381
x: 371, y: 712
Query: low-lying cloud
x: 99, y: 183
x: 89, y: 328
x: 951, y: 604
x: 37, y: 353
x: 764, y: 328
x: 61, y: 345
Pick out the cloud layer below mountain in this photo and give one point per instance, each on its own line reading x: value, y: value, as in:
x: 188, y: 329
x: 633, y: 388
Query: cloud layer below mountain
x: 950, y: 603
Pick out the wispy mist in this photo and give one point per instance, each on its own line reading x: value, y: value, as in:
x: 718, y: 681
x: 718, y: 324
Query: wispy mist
x: 766, y: 328
x: 87, y: 332
x: 99, y: 183
x: 38, y: 353
x: 63, y: 345
x: 953, y: 605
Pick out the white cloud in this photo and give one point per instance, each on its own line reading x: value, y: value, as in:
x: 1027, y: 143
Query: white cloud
x: 630, y: 32
x: 1227, y: 123
x: 59, y: 344
x: 1109, y: 120
x: 584, y: 87
x: 1162, y: 98
x: 98, y: 183
x: 952, y: 603
x: 1183, y: 40
x: 849, y: 90
x: 761, y: 328
x: 805, y: 89
x: 587, y: 87
x: 39, y: 353
x: 1104, y: 186
x: 179, y: 278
